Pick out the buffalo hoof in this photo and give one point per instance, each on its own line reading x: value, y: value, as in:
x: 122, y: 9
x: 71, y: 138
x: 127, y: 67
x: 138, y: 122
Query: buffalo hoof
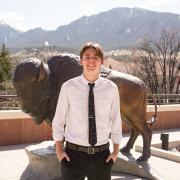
x: 142, y: 159
x: 125, y: 150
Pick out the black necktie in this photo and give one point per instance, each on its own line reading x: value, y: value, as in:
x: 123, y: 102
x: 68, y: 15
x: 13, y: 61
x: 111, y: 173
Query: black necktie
x: 91, y: 117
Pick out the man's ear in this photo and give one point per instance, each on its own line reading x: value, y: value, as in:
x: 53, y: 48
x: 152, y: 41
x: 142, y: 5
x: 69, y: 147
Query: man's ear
x: 102, y: 61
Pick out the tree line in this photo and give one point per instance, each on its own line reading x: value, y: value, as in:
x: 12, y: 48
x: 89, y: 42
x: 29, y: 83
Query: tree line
x: 158, y: 63
x: 5, y: 64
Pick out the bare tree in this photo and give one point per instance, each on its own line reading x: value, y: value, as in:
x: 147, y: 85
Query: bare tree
x: 159, y: 63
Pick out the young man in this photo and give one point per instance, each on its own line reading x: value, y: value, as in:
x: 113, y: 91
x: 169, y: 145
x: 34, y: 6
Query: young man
x: 88, y: 111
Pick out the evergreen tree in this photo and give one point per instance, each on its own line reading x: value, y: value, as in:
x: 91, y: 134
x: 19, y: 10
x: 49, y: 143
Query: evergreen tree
x: 5, y: 64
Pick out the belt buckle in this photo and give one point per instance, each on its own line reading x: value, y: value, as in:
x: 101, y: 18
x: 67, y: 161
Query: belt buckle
x: 90, y: 150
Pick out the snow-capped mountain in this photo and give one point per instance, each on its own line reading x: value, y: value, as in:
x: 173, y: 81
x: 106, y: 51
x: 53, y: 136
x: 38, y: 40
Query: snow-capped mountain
x: 119, y: 27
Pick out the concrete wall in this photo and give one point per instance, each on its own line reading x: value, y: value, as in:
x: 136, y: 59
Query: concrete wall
x: 16, y: 127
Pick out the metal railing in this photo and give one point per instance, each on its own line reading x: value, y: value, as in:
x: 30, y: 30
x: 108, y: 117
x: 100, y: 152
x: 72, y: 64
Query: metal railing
x: 164, y: 99
x: 11, y: 102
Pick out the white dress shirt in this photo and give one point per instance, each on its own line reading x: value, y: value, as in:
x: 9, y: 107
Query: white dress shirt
x: 71, y: 116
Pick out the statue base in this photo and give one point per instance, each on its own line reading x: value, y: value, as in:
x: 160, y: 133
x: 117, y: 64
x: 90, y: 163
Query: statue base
x: 43, y: 164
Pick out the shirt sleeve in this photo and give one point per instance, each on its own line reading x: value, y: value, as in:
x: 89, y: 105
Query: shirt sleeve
x: 116, y: 126
x: 59, y: 119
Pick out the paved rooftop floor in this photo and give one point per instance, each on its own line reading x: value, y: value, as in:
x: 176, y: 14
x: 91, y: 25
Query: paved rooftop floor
x: 13, y: 161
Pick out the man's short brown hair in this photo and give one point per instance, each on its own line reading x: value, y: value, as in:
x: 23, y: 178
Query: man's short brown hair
x: 95, y: 46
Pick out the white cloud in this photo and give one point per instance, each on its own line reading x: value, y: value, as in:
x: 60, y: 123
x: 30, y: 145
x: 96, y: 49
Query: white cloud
x: 89, y: 9
x: 160, y: 5
x: 155, y: 3
x: 13, y: 19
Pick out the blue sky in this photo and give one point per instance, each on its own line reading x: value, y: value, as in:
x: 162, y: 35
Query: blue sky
x: 50, y: 14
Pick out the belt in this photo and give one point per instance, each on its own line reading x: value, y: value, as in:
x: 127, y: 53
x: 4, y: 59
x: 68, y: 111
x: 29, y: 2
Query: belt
x: 88, y: 149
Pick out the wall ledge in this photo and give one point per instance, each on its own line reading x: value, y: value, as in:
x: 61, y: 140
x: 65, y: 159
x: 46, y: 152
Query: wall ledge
x: 19, y: 114
x: 13, y: 114
x: 172, y: 107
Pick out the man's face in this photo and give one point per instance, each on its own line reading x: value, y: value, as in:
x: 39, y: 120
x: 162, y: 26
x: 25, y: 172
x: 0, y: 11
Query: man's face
x: 90, y: 61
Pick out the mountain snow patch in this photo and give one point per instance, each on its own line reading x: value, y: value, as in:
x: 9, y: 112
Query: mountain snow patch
x: 128, y: 30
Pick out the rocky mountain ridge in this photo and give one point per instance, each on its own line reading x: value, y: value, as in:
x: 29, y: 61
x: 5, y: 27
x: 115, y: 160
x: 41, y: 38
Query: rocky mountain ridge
x: 116, y: 28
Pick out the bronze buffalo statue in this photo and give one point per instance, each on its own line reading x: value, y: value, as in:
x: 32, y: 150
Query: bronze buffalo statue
x: 38, y: 86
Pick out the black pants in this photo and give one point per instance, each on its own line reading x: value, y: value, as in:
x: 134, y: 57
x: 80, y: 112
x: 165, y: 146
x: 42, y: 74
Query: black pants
x: 83, y: 165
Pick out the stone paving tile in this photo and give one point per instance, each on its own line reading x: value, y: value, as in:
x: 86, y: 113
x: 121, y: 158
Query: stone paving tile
x: 10, y: 173
x: 20, y: 160
x: 13, y: 178
x: 172, y: 173
x: 13, y: 160
x: 6, y: 164
x: 121, y: 176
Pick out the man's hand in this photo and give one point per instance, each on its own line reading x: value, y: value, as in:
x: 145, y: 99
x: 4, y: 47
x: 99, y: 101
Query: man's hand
x: 114, y: 154
x: 61, y: 154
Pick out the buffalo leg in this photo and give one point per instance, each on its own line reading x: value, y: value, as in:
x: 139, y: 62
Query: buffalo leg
x: 146, y: 135
x: 130, y: 143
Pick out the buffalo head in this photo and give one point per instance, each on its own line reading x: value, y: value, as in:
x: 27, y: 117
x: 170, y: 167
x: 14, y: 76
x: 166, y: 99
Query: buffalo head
x: 31, y: 83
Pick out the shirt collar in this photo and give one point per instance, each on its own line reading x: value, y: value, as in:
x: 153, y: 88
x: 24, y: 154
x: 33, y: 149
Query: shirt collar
x: 85, y: 81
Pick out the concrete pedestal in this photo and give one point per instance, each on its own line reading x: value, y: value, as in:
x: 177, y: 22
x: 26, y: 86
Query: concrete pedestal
x: 43, y: 164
